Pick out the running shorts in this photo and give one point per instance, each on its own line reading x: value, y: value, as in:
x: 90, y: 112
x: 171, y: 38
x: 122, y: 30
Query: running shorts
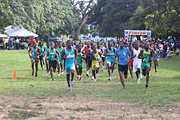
x: 123, y: 68
x: 145, y: 64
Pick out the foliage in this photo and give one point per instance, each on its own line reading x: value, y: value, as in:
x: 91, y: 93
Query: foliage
x: 44, y: 17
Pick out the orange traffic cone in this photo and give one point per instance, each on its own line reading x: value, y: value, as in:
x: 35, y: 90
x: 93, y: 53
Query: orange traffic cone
x: 14, y: 76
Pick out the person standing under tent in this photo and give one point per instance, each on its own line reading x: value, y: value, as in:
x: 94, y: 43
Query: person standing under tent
x: 34, y: 53
x: 123, y: 55
x: 69, y: 54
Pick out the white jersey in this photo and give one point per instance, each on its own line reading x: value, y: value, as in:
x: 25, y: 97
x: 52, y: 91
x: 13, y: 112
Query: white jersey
x: 136, y: 53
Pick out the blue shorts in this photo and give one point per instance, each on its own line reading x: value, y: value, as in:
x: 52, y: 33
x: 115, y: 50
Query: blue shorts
x: 69, y: 68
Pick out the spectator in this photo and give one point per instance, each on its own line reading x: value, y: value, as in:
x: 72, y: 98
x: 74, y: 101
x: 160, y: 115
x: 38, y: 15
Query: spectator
x: 6, y: 40
x: 32, y: 42
x: 4, y: 44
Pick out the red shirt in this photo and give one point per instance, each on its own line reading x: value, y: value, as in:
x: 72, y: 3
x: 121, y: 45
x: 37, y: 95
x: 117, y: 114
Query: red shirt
x: 86, y: 49
x: 32, y: 41
x: 164, y: 47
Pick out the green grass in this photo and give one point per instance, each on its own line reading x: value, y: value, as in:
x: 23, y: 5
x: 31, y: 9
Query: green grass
x: 164, y: 86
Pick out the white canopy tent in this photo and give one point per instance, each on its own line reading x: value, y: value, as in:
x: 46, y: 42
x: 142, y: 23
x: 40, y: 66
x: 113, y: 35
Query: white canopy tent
x: 19, y: 32
x: 3, y: 35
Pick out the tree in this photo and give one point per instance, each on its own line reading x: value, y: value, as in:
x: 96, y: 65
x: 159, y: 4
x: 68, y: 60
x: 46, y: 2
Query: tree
x: 84, y: 9
x: 113, y: 16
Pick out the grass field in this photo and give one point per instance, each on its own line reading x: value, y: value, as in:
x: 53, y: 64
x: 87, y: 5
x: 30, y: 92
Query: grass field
x: 162, y: 95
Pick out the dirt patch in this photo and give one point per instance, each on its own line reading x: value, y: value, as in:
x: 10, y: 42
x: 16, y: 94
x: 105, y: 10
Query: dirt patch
x: 76, y: 108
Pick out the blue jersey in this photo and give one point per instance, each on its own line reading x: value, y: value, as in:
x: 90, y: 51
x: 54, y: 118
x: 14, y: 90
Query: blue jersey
x: 122, y: 55
x: 110, y: 58
x: 70, y: 59
x: 34, y: 53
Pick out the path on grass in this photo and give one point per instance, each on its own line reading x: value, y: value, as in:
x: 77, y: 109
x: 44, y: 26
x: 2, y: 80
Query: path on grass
x: 76, y: 108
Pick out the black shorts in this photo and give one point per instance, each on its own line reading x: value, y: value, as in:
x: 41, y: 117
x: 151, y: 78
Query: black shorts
x: 123, y: 68
x: 88, y: 62
x: 52, y: 64
x: 41, y: 58
x: 103, y: 59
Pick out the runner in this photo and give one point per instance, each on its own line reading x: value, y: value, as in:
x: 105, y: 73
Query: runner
x: 52, y: 56
x: 95, y: 62
x: 34, y: 53
x: 137, y: 62
x: 79, y: 65
x: 103, y: 52
x: 156, y: 54
x: 87, y: 50
x: 123, y: 58
x: 60, y: 61
x: 145, y: 56
x: 130, y: 63
x: 41, y: 56
x: 46, y: 60
x: 110, y: 53
x: 100, y: 59
x: 69, y: 54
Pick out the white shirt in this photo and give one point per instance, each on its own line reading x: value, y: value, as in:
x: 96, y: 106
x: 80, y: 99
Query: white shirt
x: 17, y: 40
x: 136, y: 52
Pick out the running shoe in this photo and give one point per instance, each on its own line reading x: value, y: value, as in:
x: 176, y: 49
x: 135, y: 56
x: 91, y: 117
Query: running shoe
x: 92, y: 78
x: 140, y: 76
x: 69, y: 89
x: 95, y: 80
x: 48, y: 74
x: 138, y: 80
x: 32, y: 73
x: 72, y: 83
x: 62, y: 72
x: 97, y: 75
x: 36, y: 75
x: 147, y: 86
x: 58, y: 75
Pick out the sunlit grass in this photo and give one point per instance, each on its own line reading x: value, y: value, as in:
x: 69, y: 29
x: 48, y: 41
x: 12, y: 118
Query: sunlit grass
x: 164, y: 86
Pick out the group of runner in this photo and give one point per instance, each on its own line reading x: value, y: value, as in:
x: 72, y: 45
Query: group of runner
x: 70, y: 56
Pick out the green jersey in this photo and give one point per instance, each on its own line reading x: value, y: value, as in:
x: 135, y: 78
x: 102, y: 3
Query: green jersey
x: 52, y: 55
x: 146, y: 54
x: 41, y: 50
x: 60, y: 50
x: 47, y: 49
x: 79, y: 59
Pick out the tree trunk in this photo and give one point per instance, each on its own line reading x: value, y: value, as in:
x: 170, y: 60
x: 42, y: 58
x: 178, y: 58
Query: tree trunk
x: 78, y: 30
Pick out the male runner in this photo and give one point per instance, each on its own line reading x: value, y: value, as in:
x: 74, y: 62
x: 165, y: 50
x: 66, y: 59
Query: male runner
x: 41, y: 56
x: 52, y: 56
x: 123, y: 55
x: 69, y: 54
x: 46, y: 60
x: 79, y: 65
x: 145, y: 56
x: 60, y: 61
x: 95, y: 62
x: 87, y: 50
x: 137, y: 62
x: 110, y: 53
x: 34, y: 53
